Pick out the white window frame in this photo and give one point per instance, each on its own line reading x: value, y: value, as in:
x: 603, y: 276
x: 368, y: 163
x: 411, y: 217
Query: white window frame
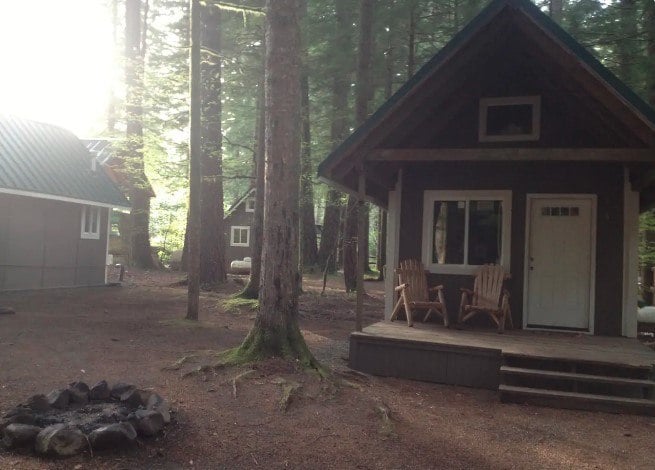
x: 94, y: 232
x: 430, y: 197
x: 248, y: 204
x: 233, y: 230
x: 485, y: 103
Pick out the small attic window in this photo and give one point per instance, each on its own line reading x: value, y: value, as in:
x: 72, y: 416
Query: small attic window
x: 507, y: 119
x: 250, y: 204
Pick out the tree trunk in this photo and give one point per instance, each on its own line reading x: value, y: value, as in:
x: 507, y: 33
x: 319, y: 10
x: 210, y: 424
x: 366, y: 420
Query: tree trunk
x: 411, y: 41
x: 133, y: 165
x: 276, y: 331
x: 212, y: 233
x: 555, y: 9
x: 307, y: 222
x: 251, y: 291
x: 382, y: 243
x: 327, y: 254
x: 626, y: 42
x: 195, y: 163
x: 649, y: 27
x: 363, y: 84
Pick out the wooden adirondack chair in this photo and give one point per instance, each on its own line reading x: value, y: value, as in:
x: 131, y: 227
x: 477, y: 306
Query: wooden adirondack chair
x: 415, y: 295
x: 488, y: 297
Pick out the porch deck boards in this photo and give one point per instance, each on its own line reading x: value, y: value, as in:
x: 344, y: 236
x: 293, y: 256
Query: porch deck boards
x: 626, y: 352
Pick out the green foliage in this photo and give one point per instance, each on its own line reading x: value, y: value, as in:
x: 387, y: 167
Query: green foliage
x: 646, y: 239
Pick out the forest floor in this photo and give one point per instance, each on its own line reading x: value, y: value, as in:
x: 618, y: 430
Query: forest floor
x: 134, y: 333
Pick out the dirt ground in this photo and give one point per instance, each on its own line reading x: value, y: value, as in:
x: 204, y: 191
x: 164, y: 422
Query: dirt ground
x: 134, y: 332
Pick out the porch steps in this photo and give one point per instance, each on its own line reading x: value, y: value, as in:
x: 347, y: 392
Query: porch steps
x: 577, y: 384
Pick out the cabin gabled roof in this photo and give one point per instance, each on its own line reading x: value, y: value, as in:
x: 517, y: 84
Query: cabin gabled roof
x: 46, y: 161
x: 105, y: 153
x: 239, y: 201
x: 355, y: 147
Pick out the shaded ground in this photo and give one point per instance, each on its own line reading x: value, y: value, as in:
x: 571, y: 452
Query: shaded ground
x: 132, y: 333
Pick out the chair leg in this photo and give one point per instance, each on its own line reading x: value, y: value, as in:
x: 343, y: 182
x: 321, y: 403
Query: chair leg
x: 427, y: 315
x: 408, y: 312
x: 396, y: 309
x: 444, y: 311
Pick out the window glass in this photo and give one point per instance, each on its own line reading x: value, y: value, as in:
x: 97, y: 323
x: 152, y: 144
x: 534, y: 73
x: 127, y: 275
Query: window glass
x: 448, y: 232
x: 485, y: 232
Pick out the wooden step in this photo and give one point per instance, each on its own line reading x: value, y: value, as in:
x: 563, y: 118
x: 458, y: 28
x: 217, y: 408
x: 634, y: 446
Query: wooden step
x: 574, y: 400
x: 573, y: 376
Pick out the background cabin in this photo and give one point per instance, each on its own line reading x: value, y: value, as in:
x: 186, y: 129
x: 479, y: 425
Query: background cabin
x: 55, y: 206
x: 238, y: 225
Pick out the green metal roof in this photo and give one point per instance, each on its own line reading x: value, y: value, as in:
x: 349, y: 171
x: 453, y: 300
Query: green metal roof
x: 485, y: 16
x: 49, y: 161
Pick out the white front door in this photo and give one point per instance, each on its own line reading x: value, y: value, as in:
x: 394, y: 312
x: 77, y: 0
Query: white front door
x: 559, y: 261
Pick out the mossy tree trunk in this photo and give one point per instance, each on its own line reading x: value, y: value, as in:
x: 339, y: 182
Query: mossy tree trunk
x: 276, y: 331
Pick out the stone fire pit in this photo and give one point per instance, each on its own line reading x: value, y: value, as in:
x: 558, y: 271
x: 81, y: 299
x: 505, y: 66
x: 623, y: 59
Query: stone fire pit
x: 69, y: 420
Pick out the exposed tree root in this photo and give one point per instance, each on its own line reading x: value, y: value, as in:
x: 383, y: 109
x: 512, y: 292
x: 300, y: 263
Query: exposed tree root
x: 236, y: 379
x: 289, y: 392
x: 386, y: 427
x: 200, y: 370
x: 177, y: 365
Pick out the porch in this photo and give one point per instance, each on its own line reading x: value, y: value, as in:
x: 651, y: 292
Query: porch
x: 554, y: 369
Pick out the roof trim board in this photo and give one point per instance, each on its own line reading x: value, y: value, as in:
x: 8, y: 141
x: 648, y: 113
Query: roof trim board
x: 53, y: 197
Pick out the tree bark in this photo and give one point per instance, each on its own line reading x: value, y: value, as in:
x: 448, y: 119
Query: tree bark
x: 195, y: 163
x: 649, y: 27
x: 212, y: 232
x: 251, y: 291
x: 133, y: 164
x: 555, y: 10
x: 626, y: 42
x: 307, y: 221
x: 363, y: 87
x: 327, y: 254
x: 276, y: 331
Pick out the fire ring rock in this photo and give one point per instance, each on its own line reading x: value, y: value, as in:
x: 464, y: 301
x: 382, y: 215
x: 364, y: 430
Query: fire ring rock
x: 60, y: 440
x: 112, y: 436
x: 20, y: 435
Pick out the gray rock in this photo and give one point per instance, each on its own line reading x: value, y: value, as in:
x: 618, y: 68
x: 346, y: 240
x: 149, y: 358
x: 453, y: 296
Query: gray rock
x: 19, y: 435
x: 135, y: 397
x: 59, y: 398
x: 38, y: 403
x: 157, y: 403
x: 60, y: 440
x: 7, y: 311
x: 18, y: 416
x: 148, y: 422
x: 120, y: 388
x: 100, y: 391
x: 112, y: 436
x: 78, y: 394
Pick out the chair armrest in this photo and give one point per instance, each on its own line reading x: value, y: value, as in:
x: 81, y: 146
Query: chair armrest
x: 465, y: 290
x: 506, y: 293
x: 401, y: 287
x: 435, y: 288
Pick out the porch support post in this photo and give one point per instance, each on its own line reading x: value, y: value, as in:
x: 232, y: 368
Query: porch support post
x: 393, y: 236
x: 630, y: 257
x: 361, y: 249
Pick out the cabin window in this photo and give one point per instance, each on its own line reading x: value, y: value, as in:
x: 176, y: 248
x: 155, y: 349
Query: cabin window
x: 516, y: 118
x: 463, y: 230
x: 240, y: 236
x: 90, y: 222
x: 250, y: 204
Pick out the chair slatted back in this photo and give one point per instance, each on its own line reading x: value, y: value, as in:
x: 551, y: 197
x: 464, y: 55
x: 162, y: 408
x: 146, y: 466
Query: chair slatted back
x: 412, y: 272
x: 488, y: 286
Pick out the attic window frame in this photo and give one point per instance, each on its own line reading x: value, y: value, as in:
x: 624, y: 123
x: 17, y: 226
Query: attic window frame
x: 250, y: 204
x: 486, y: 103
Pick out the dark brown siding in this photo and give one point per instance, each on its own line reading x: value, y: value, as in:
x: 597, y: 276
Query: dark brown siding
x: 604, y: 180
x: 239, y: 217
x: 41, y: 246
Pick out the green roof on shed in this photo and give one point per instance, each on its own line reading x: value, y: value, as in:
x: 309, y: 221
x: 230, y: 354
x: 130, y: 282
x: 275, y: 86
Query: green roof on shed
x: 50, y: 161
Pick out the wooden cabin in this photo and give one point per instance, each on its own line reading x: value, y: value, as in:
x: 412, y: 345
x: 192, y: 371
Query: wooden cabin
x: 513, y: 145
x: 55, y: 208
